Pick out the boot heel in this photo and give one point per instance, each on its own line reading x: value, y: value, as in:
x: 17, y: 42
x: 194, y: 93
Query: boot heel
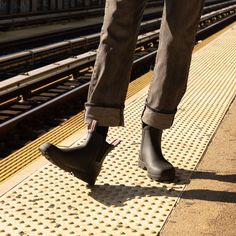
x: 142, y: 165
x: 87, y: 177
x: 91, y: 175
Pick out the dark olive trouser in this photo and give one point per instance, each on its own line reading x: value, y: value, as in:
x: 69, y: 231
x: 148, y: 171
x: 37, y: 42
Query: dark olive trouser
x: 114, y: 59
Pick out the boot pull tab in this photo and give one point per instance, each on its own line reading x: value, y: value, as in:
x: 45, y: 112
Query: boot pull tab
x: 93, y: 125
x: 115, y: 142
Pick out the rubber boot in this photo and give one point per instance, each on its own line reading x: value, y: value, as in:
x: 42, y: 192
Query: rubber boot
x: 84, y: 161
x: 151, y: 157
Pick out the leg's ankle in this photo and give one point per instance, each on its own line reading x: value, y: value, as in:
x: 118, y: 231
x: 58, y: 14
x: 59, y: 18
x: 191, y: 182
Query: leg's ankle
x: 102, y: 130
x: 94, y: 127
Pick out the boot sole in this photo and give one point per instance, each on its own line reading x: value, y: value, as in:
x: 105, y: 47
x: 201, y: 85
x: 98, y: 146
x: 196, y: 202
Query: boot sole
x: 157, y: 177
x: 88, y: 176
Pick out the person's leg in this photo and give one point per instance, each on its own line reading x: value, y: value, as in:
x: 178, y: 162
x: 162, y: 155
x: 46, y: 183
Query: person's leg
x: 107, y: 91
x: 177, y: 37
x: 113, y: 64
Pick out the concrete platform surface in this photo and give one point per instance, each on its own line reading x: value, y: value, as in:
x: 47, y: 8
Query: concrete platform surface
x: 208, y: 204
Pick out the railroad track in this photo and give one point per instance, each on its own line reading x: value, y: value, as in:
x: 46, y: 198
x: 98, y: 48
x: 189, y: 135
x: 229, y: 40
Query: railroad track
x: 16, y: 63
x: 25, y: 97
x: 21, y: 62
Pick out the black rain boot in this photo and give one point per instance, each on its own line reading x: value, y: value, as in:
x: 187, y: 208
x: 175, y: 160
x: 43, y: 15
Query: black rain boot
x: 151, y: 157
x: 84, y: 161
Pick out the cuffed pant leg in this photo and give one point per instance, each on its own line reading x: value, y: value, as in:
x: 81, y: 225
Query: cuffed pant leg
x: 113, y: 64
x: 177, y: 37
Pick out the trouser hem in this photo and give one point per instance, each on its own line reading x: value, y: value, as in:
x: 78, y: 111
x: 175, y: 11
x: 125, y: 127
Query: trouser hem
x: 157, y: 119
x: 106, y: 116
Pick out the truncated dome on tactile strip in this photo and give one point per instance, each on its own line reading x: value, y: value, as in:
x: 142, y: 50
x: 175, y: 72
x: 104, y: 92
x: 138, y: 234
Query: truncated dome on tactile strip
x: 125, y: 201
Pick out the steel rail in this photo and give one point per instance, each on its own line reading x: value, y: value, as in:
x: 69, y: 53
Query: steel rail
x: 218, y: 12
x: 45, y: 106
x: 21, y: 81
x: 212, y: 28
x: 214, y: 7
x: 82, y: 42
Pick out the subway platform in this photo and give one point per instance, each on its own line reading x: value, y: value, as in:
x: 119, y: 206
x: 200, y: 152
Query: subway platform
x: 41, y: 199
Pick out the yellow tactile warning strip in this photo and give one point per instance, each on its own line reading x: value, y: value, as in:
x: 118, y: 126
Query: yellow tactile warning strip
x: 124, y: 201
x: 27, y: 154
